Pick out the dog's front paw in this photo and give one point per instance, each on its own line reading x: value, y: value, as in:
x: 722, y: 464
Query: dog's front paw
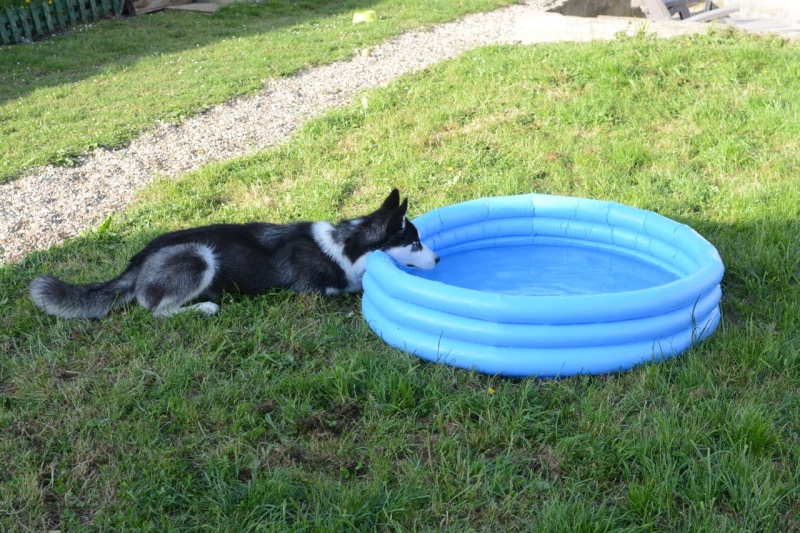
x: 207, y: 308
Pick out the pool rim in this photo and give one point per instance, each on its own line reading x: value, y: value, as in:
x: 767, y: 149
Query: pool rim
x: 551, y: 309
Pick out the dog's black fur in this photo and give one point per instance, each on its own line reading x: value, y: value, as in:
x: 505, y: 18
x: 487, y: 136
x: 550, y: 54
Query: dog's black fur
x: 201, y: 263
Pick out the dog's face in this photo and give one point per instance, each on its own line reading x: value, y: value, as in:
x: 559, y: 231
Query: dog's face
x: 409, y: 251
x: 403, y: 244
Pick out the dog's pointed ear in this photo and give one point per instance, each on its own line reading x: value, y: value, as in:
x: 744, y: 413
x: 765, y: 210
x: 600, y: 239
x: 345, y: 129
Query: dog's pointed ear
x: 392, y: 201
x: 397, y: 220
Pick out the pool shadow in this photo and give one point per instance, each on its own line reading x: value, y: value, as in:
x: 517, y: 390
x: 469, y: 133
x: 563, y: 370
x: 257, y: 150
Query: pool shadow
x: 762, y: 265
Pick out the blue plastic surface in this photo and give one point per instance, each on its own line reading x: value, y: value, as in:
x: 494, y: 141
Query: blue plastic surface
x: 547, y: 286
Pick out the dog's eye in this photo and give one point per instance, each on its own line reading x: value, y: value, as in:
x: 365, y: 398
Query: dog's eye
x: 416, y: 246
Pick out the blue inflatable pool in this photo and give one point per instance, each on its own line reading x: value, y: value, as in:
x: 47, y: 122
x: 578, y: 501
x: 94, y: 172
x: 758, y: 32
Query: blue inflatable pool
x: 539, y: 285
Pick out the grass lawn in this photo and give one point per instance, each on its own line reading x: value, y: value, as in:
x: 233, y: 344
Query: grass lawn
x: 100, y: 87
x: 286, y: 412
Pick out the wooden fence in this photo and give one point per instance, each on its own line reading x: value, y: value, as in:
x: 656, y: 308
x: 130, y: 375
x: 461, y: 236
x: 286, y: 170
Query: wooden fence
x: 43, y: 17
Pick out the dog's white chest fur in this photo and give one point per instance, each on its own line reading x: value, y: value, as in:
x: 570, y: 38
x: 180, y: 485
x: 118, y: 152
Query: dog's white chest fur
x: 353, y: 271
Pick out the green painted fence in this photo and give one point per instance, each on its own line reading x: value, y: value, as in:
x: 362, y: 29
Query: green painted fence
x: 43, y: 17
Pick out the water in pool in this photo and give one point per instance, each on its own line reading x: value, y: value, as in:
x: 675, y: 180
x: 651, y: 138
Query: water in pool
x: 545, y: 270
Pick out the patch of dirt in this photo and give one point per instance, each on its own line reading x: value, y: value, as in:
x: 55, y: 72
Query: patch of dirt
x: 266, y: 407
x: 317, y: 461
x: 548, y: 462
x: 331, y: 422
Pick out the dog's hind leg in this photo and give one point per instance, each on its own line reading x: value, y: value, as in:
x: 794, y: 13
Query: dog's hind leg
x: 174, y: 276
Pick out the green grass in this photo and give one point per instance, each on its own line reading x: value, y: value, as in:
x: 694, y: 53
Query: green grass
x: 8, y: 4
x: 286, y: 412
x: 103, y: 85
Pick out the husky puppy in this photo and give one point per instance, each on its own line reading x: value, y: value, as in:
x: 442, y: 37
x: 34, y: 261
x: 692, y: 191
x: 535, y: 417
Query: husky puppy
x: 199, y: 264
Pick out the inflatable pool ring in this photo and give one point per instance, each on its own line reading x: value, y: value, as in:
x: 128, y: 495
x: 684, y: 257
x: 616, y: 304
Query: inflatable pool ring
x: 539, y: 285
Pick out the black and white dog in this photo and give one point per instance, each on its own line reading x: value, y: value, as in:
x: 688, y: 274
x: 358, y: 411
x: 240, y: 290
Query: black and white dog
x: 199, y: 264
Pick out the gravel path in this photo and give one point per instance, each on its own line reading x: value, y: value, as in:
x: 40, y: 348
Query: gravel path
x: 52, y: 204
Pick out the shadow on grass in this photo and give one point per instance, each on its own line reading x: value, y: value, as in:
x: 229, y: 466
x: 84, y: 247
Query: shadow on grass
x: 118, y: 43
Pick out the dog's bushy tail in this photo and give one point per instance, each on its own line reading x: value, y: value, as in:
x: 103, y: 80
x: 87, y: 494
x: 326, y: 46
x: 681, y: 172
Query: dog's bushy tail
x: 95, y: 300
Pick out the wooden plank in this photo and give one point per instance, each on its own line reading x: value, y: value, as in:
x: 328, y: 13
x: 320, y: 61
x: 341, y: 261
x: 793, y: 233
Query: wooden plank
x: 105, y: 8
x: 60, y: 13
x: 48, y: 19
x: 117, y: 6
x: 84, y: 17
x: 5, y: 33
x: 199, y: 8
x: 12, y: 25
x: 148, y: 6
x: 34, y: 11
x: 95, y: 12
x: 26, y: 27
x: 73, y: 17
